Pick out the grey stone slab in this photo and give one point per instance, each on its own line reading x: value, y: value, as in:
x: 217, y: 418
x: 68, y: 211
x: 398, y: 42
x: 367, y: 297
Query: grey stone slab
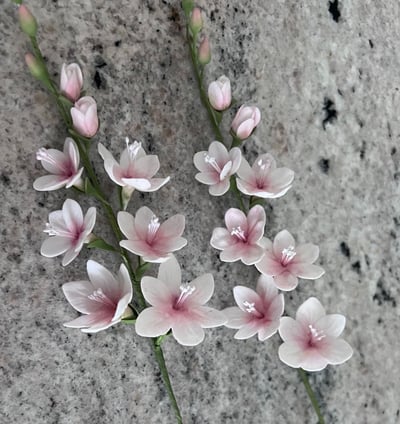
x: 329, y: 95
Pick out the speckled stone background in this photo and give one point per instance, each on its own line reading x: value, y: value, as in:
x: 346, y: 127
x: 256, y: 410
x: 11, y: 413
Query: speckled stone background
x: 326, y: 78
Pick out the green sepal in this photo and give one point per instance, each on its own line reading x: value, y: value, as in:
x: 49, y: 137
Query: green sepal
x: 188, y: 6
x: 129, y: 320
x: 218, y: 116
x: 91, y: 191
x: 101, y: 244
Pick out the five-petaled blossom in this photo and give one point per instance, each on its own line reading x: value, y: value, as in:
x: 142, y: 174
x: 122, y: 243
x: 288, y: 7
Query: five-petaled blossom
x: 286, y: 262
x: 84, y: 116
x: 135, y: 170
x: 62, y: 166
x: 219, y: 93
x: 104, y: 300
x: 68, y: 231
x: 264, y: 179
x: 245, y: 121
x: 71, y: 81
x: 243, y: 236
x: 149, y: 238
x: 258, y: 312
x: 311, y: 340
x: 216, y: 167
x: 177, y: 306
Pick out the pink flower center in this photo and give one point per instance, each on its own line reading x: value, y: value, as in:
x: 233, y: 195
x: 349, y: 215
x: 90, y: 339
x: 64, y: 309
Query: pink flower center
x: 74, y: 235
x: 99, y: 296
x: 287, y: 255
x: 263, y: 170
x: 315, y: 336
x: 251, y: 309
x: 186, y: 291
x: 152, y: 229
x: 239, y: 234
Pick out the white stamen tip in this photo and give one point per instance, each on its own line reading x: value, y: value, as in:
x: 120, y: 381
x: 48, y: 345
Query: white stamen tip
x: 249, y: 306
x: 288, y: 254
x: 317, y: 335
x: 239, y: 233
x: 50, y: 230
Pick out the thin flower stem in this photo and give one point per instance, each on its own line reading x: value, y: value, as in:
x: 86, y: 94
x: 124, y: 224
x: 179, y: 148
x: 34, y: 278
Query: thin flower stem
x: 311, y: 395
x: 233, y: 187
x: 167, y: 382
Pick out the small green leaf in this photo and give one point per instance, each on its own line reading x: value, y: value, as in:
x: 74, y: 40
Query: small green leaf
x: 128, y: 321
x: 218, y: 116
x: 101, y: 244
x: 187, y: 6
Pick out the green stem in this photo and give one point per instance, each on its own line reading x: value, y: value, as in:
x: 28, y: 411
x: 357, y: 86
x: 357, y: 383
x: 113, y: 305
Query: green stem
x: 311, y: 395
x: 234, y: 189
x: 164, y: 373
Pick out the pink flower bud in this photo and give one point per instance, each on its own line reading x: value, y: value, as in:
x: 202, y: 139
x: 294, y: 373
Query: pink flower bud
x: 219, y: 93
x: 27, y: 21
x: 84, y: 116
x: 35, y: 67
x: 196, y: 21
x: 204, y: 51
x: 245, y: 121
x: 71, y: 81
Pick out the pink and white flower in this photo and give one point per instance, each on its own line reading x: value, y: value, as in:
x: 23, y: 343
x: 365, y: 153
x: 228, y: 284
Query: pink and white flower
x: 148, y: 238
x: 68, y: 231
x: 257, y: 312
x: 63, y: 167
x: 286, y: 263
x: 245, y: 121
x: 135, y: 170
x: 177, y: 306
x: 84, y: 116
x: 243, y: 236
x: 219, y: 93
x: 104, y: 300
x: 264, y: 179
x: 311, y: 341
x: 216, y: 167
x: 71, y: 81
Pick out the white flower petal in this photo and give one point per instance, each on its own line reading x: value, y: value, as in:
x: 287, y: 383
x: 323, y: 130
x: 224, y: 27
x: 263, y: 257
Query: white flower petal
x: 236, y: 317
x: 73, y: 216
x: 55, y: 246
x: 332, y: 325
x: 310, y: 311
x: 210, y: 317
x: 204, y: 289
x: 152, y: 323
x: 187, y: 333
x: 170, y: 273
x: 283, y: 240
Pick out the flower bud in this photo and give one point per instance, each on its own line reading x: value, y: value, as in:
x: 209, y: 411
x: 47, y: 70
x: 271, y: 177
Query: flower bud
x: 196, y: 21
x: 71, y: 81
x: 27, y: 21
x: 245, y: 121
x: 36, y: 68
x: 84, y: 116
x: 219, y: 93
x: 204, y: 51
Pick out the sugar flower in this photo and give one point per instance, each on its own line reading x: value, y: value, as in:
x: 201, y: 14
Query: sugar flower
x: 286, y: 262
x: 311, y: 340
x: 177, y: 306
x: 104, y: 300
x: 264, y: 179
x: 68, y: 231
x: 216, y: 167
x: 257, y: 312
x: 149, y: 238
x: 243, y: 236
x: 84, y: 116
x: 63, y: 167
x: 219, y: 93
x: 245, y: 121
x: 135, y: 170
x: 71, y: 81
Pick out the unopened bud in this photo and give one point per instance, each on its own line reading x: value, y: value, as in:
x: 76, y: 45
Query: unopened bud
x: 196, y: 21
x: 204, y: 51
x: 27, y: 21
x: 36, y: 68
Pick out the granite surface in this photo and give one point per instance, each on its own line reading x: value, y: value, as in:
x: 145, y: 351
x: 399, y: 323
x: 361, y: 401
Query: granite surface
x: 326, y: 78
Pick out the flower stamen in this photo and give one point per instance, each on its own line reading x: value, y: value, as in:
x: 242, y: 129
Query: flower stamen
x: 239, y: 233
x: 287, y: 255
x: 99, y: 296
x: 186, y: 291
x: 133, y: 148
x: 152, y: 228
x: 251, y: 309
x: 316, y: 335
x: 212, y: 161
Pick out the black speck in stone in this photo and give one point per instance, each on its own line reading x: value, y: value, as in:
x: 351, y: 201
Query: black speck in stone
x: 362, y: 150
x: 356, y: 267
x: 99, y: 62
x: 324, y: 165
x: 371, y: 44
x: 344, y: 248
x: 5, y: 179
x: 98, y: 80
x: 393, y: 151
x: 396, y: 175
x: 380, y: 320
x: 330, y: 112
x: 117, y: 43
x: 334, y: 10
x: 340, y: 92
x: 393, y: 234
x: 396, y: 221
x: 52, y: 403
x: 97, y: 48
x: 212, y: 16
x: 382, y: 295
x: 367, y: 261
